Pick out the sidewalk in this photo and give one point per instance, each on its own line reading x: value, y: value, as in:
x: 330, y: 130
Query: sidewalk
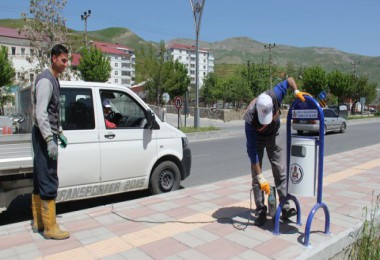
x: 193, y: 223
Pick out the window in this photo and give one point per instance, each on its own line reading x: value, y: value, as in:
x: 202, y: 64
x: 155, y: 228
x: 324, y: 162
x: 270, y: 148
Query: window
x: 116, y: 64
x: 23, y: 51
x: 125, y: 65
x: 13, y: 50
x: 125, y: 81
x: 31, y: 51
x: 126, y: 73
x: 76, y: 109
x: 329, y: 113
x: 116, y: 73
x: 126, y: 112
x: 116, y: 81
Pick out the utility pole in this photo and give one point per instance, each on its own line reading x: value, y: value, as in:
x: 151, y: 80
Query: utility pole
x: 84, y: 17
x: 354, y: 65
x: 270, y: 47
x: 197, y: 7
x: 249, y: 74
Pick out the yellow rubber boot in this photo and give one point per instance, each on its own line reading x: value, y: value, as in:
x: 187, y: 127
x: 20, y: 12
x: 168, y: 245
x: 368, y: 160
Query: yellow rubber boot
x: 51, y: 229
x: 38, y: 225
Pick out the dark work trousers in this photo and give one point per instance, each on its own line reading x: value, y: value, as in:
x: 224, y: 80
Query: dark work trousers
x: 45, y: 178
x: 274, y: 152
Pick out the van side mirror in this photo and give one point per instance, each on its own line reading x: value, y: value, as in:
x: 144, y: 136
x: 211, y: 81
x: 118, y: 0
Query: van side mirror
x: 151, y: 120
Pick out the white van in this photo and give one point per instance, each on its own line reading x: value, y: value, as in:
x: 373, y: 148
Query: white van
x: 140, y: 153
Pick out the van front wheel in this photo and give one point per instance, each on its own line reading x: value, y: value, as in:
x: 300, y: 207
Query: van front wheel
x: 165, y: 177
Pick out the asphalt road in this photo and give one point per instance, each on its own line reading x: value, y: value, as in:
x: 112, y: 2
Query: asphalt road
x: 213, y: 160
x: 220, y: 159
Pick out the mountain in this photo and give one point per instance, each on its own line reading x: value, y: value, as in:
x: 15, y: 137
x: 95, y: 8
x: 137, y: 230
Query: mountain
x: 240, y: 50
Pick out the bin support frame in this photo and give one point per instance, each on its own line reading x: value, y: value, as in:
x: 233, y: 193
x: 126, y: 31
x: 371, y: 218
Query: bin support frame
x: 311, y: 104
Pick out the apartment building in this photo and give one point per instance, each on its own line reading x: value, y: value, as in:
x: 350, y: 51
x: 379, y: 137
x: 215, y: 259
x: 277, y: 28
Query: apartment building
x: 121, y: 57
x: 18, y: 51
x: 122, y: 60
x: 187, y: 55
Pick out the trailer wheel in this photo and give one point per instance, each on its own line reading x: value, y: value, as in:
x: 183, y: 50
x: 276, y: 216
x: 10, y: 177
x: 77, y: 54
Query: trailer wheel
x: 165, y: 177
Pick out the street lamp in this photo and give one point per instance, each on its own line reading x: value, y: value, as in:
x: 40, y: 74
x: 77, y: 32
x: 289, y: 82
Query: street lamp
x: 270, y: 47
x: 84, y: 17
x: 197, y: 7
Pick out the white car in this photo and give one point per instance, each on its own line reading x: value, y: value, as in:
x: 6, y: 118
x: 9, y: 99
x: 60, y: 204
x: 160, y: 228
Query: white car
x: 333, y: 123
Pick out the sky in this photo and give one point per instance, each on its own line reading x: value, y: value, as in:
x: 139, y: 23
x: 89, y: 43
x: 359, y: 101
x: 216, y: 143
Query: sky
x: 351, y: 26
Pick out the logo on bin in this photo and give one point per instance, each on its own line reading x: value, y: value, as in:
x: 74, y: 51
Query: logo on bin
x: 296, y: 173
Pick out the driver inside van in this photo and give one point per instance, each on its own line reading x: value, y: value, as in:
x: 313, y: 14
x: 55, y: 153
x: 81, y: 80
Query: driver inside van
x: 107, y: 111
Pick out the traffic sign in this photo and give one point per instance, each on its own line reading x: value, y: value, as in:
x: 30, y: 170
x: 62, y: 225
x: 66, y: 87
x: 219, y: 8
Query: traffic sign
x: 178, y: 102
x: 165, y: 97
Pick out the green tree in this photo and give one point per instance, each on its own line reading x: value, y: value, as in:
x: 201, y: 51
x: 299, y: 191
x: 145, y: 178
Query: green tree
x: 361, y: 87
x: 160, y: 73
x: 45, y: 27
x: 94, y: 65
x: 339, y: 85
x: 7, y: 73
x: 149, y: 67
x: 314, y: 80
x: 175, y: 79
x: 209, y: 88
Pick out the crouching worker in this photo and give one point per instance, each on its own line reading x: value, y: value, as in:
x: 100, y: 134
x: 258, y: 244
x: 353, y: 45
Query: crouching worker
x: 262, y: 123
x: 45, y: 134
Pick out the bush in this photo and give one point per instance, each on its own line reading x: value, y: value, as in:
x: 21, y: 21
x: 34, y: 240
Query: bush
x: 367, y: 247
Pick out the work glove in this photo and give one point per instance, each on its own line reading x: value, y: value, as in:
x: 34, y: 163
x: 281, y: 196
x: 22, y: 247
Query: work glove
x: 52, y: 148
x: 63, y: 140
x: 300, y: 95
x: 264, y: 185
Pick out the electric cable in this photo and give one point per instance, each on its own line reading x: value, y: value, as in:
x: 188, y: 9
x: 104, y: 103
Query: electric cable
x: 229, y: 219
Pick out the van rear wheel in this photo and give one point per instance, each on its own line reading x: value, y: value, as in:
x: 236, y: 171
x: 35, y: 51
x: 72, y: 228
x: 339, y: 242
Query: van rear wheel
x: 165, y: 177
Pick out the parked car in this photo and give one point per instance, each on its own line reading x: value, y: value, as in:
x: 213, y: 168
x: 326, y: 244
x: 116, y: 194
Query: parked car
x: 333, y: 123
x: 341, y: 110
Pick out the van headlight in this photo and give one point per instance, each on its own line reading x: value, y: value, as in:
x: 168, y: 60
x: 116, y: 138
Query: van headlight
x: 185, y: 143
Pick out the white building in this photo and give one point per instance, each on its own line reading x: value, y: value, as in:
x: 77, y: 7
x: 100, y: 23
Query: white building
x: 187, y: 56
x: 18, y: 50
x: 122, y: 61
x: 121, y: 57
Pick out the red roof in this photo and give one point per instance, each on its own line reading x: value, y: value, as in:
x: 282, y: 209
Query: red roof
x: 113, y: 48
x: 75, y: 59
x: 12, y: 33
x: 183, y: 47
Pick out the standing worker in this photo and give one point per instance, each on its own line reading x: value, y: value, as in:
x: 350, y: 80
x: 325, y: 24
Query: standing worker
x: 45, y: 134
x: 262, y: 123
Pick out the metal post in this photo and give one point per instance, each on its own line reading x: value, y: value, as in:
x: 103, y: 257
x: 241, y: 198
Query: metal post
x: 197, y: 7
x: 354, y: 65
x: 84, y: 17
x: 270, y: 46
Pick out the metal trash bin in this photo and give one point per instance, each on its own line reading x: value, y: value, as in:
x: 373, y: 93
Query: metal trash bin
x: 302, y: 167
